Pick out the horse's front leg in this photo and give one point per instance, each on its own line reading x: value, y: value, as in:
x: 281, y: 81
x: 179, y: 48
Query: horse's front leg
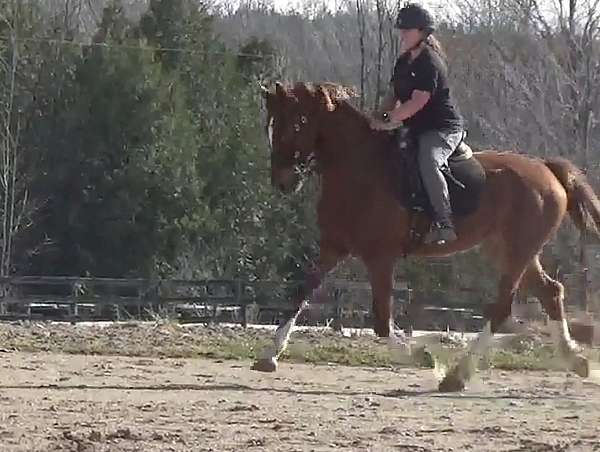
x: 381, y: 276
x: 329, y: 257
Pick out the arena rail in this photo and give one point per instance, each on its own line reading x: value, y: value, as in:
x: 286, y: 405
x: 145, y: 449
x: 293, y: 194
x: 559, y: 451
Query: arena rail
x: 76, y: 299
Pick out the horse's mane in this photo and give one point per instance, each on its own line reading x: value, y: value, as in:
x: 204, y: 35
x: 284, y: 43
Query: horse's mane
x: 352, y: 109
x: 339, y: 95
x: 356, y: 122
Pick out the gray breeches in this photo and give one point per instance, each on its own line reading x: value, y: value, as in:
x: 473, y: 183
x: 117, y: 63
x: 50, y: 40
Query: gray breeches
x: 434, y: 149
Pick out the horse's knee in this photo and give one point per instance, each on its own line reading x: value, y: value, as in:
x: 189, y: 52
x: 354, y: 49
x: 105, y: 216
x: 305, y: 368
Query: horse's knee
x: 312, y: 281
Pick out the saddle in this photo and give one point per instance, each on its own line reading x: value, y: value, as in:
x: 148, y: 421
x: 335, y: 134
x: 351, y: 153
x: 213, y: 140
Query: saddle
x: 464, y: 174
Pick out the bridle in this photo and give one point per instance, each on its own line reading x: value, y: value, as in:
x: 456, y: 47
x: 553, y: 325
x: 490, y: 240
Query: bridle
x: 302, y: 166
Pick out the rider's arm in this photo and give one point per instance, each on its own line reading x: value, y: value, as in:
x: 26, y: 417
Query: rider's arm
x: 389, y: 101
x: 425, y: 84
x: 404, y: 111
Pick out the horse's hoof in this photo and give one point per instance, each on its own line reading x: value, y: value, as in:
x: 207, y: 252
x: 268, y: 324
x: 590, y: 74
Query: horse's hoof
x: 265, y: 365
x: 451, y: 384
x: 581, y: 366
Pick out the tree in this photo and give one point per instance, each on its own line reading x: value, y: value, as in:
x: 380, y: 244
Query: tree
x: 106, y: 203
x: 17, y: 207
x: 257, y: 60
x: 361, y: 13
x: 9, y: 132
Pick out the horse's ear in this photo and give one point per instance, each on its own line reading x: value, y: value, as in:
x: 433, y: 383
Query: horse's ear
x: 325, y: 98
x: 280, y: 90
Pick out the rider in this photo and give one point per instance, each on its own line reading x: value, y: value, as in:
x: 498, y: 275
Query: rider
x: 419, y: 97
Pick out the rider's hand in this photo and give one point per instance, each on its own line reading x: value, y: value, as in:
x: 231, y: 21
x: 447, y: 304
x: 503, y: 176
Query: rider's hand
x: 378, y: 124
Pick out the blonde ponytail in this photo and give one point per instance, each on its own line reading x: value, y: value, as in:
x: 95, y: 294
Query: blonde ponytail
x: 435, y: 44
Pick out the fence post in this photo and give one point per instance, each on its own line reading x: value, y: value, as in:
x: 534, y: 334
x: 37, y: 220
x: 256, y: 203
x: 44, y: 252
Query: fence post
x: 409, y: 328
x: 241, y: 302
x: 115, y: 304
x: 140, y: 294
x: 337, y: 320
x: 3, y: 304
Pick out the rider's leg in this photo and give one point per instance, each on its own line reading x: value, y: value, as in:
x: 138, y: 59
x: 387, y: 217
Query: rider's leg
x: 435, y: 148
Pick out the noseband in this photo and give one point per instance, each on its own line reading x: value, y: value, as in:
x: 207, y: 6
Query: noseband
x: 302, y: 166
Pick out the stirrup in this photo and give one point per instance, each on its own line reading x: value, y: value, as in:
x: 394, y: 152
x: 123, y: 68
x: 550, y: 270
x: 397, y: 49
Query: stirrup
x: 440, y: 234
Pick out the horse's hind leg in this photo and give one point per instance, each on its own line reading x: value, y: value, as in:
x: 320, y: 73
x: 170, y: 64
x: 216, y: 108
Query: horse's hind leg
x: 329, y: 257
x: 456, y: 379
x: 551, y: 295
x: 512, y: 267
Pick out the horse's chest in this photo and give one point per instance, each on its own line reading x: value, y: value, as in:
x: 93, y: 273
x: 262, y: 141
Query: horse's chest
x: 341, y: 216
x: 335, y: 216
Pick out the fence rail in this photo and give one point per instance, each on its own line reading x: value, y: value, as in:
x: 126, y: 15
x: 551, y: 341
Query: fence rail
x: 208, y: 300
x: 112, y: 298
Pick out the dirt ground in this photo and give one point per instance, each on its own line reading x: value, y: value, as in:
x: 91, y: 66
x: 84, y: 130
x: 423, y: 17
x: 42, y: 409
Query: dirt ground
x: 52, y: 402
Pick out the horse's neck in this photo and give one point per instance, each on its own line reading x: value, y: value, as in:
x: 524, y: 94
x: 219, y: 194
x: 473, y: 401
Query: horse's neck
x: 351, y: 152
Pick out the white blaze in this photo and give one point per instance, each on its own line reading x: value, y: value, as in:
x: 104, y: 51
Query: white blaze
x: 270, y: 132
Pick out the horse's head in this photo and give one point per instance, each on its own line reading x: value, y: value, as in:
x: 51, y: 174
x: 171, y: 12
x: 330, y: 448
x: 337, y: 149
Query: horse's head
x: 293, y: 119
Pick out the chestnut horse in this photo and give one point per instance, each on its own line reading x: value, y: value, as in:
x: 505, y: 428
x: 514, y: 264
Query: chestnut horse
x: 523, y: 203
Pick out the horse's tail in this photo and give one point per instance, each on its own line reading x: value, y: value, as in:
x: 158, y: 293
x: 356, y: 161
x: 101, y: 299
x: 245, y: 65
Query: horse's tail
x: 583, y: 204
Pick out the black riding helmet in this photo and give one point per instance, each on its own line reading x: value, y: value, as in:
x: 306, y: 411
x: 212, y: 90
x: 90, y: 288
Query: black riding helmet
x: 415, y: 16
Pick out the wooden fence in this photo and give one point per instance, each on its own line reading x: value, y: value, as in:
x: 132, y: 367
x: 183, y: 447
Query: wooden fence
x: 346, y: 303
x: 75, y: 298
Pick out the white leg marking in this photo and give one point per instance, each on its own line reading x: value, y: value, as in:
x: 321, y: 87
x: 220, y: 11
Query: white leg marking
x: 466, y: 367
x: 400, y: 348
x: 562, y: 337
x: 477, y: 349
x: 483, y: 341
x: 282, y: 336
x: 572, y: 352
